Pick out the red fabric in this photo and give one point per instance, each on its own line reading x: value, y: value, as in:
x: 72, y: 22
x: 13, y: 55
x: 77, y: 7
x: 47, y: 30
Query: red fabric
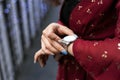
x: 97, y: 50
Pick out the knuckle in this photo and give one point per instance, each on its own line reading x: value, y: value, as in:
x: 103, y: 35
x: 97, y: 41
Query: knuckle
x: 47, y: 52
x: 53, y: 23
x: 49, y: 34
x: 59, y: 47
x: 44, y: 32
x: 48, y: 46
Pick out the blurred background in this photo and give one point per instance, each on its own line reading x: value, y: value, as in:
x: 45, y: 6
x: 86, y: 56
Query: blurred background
x: 21, y: 24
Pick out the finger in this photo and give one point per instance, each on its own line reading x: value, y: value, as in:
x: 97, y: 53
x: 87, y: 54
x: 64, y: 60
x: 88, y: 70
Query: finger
x: 51, y: 34
x: 44, y: 49
x: 51, y: 28
x: 54, y: 36
x: 54, y: 30
x: 37, y: 54
x: 60, y: 29
x: 48, y: 45
x: 42, y: 60
x: 64, y: 30
x: 48, y: 52
x: 59, y: 47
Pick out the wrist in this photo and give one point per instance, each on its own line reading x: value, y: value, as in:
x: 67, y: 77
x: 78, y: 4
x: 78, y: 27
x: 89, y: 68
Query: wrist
x: 67, y: 43
x: 70, y: 49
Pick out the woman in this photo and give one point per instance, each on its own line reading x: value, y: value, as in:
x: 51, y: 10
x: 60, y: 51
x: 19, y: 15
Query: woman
x: 95, y: 54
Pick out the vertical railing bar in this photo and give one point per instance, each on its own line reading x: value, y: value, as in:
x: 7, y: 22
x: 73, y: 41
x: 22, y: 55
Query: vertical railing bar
x: 0, y: 73
x: 31, y: 18
x: 37, y: 14
x: 25, y: 23
x: 2, y: 65
x: 17, y: 34
x: 5, y: 45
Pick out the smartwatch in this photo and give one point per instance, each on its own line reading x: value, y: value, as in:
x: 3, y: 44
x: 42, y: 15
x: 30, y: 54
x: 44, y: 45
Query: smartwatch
x: 65, y: 42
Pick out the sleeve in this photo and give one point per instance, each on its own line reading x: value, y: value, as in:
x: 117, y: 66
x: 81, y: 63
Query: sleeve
x: 60, y: 22
x: 97, y: 56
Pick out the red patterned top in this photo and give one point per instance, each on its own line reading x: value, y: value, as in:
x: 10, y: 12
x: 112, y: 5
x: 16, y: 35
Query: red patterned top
x: 97, y: 50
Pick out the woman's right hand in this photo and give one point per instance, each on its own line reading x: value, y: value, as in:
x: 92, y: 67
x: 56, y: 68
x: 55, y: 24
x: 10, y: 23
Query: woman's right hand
x: 54, y: 30
x: 50, y: 36
x: 49, y: 40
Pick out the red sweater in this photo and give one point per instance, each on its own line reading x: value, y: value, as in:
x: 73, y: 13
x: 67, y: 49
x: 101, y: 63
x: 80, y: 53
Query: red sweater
x: 97, y: 50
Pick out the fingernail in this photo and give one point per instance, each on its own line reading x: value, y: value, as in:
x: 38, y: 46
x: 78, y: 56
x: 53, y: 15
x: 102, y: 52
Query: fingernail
x: 64, y: 52
x: 34, y: 61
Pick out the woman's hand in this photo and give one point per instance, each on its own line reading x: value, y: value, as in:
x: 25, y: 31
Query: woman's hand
x: 55, y: 30
x: 48, y: 47
x: 49, y: 40
x: 51, y: 35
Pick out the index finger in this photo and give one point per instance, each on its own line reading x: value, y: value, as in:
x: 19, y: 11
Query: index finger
x: 37, y: 54
x: 54, y: 36
x: 64, y: 30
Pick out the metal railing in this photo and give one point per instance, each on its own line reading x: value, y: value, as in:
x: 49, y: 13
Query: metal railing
x: 19, y: 22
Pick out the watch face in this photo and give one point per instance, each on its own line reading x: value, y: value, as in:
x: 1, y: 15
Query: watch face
x: 70, y: 38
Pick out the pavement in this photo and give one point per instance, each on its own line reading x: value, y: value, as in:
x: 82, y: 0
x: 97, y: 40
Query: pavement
x: 30, y: 71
